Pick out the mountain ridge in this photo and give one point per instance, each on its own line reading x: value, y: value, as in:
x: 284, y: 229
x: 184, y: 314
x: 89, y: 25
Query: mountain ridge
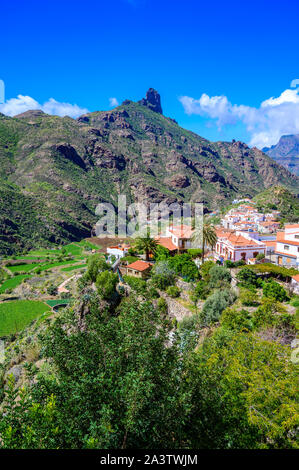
x: 65, y: 167
x: 286, y: 152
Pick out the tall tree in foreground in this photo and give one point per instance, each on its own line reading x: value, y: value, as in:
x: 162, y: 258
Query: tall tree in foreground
x: 206, y: 235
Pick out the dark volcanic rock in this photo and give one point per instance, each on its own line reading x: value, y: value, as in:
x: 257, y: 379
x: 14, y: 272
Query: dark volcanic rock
x: 152, y: 101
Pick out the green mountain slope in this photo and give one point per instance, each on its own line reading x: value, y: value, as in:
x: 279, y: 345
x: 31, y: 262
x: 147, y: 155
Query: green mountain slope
x: 281, y: 199
x: 62, y: 168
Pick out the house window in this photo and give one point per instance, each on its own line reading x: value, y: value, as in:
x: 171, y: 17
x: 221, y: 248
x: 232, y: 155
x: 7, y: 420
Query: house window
x: 255, y: 254
x: 243, y: 256
x: 297, y: 237
x: 286, y: 247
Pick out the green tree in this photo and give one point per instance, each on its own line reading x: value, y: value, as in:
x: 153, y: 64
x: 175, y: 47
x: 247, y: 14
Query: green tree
x: 215, y: 304
x: 96, y: 264
x: 219, y: 276
x: 275, y: 291
x: 206, y: 235
x: 106, y: 283
x: 146, y: 244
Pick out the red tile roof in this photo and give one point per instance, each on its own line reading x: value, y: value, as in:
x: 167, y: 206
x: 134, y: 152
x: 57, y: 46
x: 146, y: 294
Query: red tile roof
x: 167, y: 243
x: 181, y: 231
x: 139, y: 265
x: 296, y: 277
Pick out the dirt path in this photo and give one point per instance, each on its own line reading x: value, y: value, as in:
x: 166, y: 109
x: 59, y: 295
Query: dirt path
x: 61, y: 289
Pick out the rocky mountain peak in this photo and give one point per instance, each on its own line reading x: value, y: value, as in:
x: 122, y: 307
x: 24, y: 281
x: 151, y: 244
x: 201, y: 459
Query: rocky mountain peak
x: 152, y: 100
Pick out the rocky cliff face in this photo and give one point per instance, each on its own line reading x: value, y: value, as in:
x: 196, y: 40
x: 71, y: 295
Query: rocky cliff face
x: 152, y: 101
x: 286, y: 152
x: 62, y: 168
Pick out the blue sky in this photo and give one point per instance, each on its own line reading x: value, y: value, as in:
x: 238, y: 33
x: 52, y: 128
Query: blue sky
x: 192, y: 51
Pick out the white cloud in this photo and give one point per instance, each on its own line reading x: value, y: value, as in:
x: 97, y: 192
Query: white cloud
x: 113, y: 102
x: 265, y: 124
x: 23, y: 103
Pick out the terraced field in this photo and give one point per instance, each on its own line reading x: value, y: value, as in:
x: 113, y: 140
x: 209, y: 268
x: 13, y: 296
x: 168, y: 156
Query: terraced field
x: 16, y: 315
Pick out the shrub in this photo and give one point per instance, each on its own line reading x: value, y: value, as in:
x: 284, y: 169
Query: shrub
x: 153, y: 293
x: 163, y: 275
x: 106, y: 283
x: 173, y: 291
x: 184, y: 266
x: 138, y: 285
x: 248, y: 297
x: 96, y: 265
x: 219, y: 276
x: 161, y: 253
x: 275, y: 291
x: 52, y: 290
x: 236, y: 319
x: 215, y: 304
x: 200, y: 291
x: 162, y: 305
x: 268, y: 313
x: 205, y: 269
x: 194, y: 252
x: 260, y: 256
x: 247, y: 278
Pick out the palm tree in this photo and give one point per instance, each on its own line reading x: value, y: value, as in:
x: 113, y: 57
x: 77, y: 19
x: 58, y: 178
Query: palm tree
x: 146, y: 244
x: 207, y: 235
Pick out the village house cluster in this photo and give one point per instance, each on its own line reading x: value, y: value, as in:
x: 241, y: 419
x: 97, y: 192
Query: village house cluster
x: 244, y: 234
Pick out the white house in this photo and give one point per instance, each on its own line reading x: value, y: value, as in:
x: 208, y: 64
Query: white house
x: 237, y: 246
x: 179, y: 236
x: 287, y: 245
x: 119, y: 251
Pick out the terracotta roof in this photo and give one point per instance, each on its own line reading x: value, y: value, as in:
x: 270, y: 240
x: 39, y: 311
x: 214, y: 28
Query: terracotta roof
x: 296, y: 277
x: 119, y: 247
x: 139, y: 265
x: 292, y: 226
x: 167, y: 243
x: 181, y: 231
x: 285, y: 254
x: 239, y: 240
x: 286, y: 241
x: 269, y: 242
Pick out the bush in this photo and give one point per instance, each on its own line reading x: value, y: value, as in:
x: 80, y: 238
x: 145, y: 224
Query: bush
x: 248, y: 297
x: 215, y: 304
x: 194, y: 252
x: 260, y: 256
x: 163, y: 275
x: 173, y: 291
x: 205, y: 269
x: 162, y: 305
x: 161, y: 253
x: 138, y: 285
x: 153, y: 293
x: 234, y: 319
x: 106, y: 283
x: 219, y: 276
x: 200, y: 291
x: 268, y: 313
x: 52, y: 290
x: 96, y: 265
x: 184, y: 266
x: 275, y: 291
x: 247, y: 278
